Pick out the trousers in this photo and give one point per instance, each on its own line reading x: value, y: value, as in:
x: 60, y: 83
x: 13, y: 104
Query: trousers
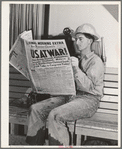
x: 58, y: 110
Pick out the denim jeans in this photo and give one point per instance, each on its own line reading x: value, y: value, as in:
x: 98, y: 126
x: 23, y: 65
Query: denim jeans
x: 58, y: 111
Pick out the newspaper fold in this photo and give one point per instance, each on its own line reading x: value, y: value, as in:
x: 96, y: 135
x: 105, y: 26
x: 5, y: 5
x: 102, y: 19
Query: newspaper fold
x: 17, y: 55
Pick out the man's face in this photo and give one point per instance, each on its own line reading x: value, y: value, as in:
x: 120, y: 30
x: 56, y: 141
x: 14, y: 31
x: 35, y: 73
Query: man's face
x: 82, y: 42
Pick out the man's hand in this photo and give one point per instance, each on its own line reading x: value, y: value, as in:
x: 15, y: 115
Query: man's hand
x: 74, y: 61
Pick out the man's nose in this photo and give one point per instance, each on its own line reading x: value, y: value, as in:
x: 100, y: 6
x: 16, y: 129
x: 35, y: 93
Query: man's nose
x: 77, y: 41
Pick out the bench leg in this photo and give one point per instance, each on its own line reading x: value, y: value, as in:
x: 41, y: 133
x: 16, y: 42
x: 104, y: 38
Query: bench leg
x: 78, y: 141
x: 71, y: 138
x: 25, y: 129
x: 13, y: 128
x: 85, y: 138
x: 46, y: 142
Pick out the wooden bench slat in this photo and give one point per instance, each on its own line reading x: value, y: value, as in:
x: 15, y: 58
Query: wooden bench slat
x: 13, y: 109
x: 111, y: 91
x: 97, y: 133
x: 18, y: 120
x: 109, y: 77
x: 12, y: 69
x: 108, y: 105
x: 16, y: 95
x: 110, y: 98
x: 107, y: 111
x: 111, y: 70
x: 111, y: 84
x: 97, y: 126
x: 20, y: 83
x: 18, y: 89
x: 17, y: 76
x: 107, y: 119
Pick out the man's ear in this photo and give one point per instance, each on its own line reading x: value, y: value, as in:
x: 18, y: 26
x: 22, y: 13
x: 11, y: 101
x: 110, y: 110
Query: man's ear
x: 91, y: 41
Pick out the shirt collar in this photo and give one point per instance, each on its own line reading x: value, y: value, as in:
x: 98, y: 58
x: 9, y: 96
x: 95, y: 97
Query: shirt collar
x: 88, y: 55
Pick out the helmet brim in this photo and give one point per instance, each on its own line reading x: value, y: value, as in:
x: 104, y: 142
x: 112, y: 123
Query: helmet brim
x: 96, y: 37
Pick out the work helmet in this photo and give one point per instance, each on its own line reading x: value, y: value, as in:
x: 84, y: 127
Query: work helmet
x: 88, y: 29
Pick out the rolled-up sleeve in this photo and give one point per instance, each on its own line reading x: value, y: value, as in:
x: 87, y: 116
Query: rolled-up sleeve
x: 92, y: 80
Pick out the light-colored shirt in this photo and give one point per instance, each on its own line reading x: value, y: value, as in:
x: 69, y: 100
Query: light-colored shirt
x: 89, y: 77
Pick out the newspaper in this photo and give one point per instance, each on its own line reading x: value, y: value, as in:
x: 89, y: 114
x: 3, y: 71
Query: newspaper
x: 17, y: 55
x: 46, y: 63
x: 50, y: 67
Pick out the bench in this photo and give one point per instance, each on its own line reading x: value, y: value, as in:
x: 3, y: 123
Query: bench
x: 18, y: 86
x: 104, y: 124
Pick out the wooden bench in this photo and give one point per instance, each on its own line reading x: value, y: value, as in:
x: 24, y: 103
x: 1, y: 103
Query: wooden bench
x: 103, y: 124
x: 18, y: 86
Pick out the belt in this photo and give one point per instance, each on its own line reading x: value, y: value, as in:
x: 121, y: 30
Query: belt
x: 88, y: 94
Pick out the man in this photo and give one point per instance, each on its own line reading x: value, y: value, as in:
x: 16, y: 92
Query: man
x: 88, y: 75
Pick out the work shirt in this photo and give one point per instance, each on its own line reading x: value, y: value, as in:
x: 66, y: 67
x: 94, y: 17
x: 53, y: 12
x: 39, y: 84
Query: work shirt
x: 89, y: 77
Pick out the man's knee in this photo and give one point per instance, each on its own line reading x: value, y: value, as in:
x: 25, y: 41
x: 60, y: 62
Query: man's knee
x: 35, y: 107
x: 55, y: 115
x: 52, y: 114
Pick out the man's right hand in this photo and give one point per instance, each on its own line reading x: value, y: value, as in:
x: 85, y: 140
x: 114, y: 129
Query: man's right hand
x: 74, y: 61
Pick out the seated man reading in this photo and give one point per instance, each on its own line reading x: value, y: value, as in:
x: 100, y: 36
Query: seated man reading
x: 88, y: 75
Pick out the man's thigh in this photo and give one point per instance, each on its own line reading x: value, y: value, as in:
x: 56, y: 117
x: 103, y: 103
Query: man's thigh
x: 77, y: 108
x: 48, y: 104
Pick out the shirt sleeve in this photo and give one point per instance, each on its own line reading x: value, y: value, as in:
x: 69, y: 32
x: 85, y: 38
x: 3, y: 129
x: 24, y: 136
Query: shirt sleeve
x: 92, y: 80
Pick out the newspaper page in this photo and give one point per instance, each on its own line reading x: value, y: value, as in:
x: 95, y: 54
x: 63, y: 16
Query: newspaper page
x: 50, y: 67
x: 17, y: 55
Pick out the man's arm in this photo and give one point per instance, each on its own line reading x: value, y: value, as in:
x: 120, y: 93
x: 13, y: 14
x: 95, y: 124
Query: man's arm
x: 92, y: 80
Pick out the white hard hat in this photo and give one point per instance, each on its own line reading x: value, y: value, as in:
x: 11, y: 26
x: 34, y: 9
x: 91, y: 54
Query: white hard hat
x: 88, y: 29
